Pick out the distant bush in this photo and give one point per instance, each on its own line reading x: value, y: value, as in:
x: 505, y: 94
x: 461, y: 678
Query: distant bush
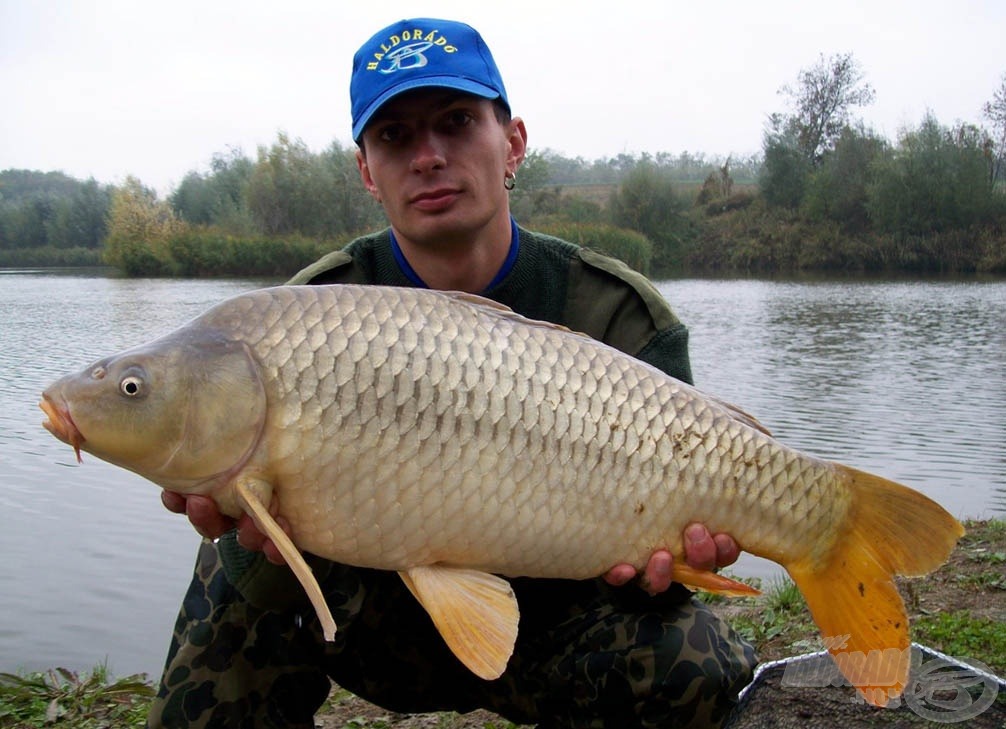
x: 736, y: 201
x: 50, y: 256
x: 210, y: 252
x: 206, y: 251
x: 628, y: 246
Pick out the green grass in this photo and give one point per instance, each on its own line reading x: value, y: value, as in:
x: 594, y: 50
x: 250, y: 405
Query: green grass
x: 959, y: 635
x: 782, y: 611
x: 59, y: 697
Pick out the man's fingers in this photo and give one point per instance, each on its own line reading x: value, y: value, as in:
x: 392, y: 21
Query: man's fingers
x: 254, y: 540
x: 620, y: 575
x: 700, y: 548
x: 727, y: 550
x: 657, y: 577
x: 206, y: 517
x: 249, y: 535
x: 173, y: 501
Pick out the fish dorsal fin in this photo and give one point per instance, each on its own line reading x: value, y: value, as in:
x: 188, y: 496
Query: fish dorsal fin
x: 740, y: 415
x: 478, y: 300
x: 475, y: 612
x: 253, y: 506
x: 506, y: 311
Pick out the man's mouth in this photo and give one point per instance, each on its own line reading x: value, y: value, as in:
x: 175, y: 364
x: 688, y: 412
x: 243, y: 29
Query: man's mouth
x: 432, y: 200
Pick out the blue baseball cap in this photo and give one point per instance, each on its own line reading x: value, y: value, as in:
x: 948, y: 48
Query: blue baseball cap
x: 421, y: 53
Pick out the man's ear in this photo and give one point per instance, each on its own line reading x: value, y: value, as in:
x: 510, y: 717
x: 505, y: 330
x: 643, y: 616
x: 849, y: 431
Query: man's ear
x: 517, y: 139
x: 368, y: 181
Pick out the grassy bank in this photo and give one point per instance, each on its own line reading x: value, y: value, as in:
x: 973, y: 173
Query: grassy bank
x: 959, y: 610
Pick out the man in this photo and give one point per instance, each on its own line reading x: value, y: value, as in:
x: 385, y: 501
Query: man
x: 439, y: 150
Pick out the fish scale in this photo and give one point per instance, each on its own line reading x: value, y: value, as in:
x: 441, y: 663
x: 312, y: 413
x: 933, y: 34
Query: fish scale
x: 445, y: 437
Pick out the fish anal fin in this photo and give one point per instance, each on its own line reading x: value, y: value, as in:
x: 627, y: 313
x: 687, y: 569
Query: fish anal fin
x: 850, y: 590
x: 475, y: 612
x: 251, y: 503
x: 711, y: 582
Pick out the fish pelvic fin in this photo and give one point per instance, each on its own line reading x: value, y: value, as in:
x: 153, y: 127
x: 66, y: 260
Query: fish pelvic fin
x: 475, y: 612
x: 711, y: 582
x: 889, y: 530
x: 252, y: 504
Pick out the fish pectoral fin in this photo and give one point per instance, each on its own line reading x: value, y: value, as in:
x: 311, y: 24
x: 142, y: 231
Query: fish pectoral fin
x: 258, y: 511
x: 711, y: 582
x: 475, y: 612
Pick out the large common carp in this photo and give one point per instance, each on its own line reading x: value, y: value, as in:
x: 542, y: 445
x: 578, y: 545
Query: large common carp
x: 445, y: 437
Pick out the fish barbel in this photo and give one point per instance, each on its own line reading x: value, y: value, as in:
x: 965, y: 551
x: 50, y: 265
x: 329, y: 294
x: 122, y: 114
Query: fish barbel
x: 445, y: 437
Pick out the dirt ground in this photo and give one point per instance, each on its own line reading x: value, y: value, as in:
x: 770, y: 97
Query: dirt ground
x: 974, y: 580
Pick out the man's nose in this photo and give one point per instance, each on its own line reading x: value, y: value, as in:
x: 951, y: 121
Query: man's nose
x: 428, y: 153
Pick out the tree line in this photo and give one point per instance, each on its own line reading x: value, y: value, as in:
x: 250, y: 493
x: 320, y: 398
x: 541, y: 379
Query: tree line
x: 935, y: 194
x: 826, y: 193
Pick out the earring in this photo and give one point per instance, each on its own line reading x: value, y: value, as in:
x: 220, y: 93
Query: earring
x: 510, y: 180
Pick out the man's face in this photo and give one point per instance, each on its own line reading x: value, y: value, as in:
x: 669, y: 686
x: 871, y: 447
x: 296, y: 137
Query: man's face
x: 436, y: 160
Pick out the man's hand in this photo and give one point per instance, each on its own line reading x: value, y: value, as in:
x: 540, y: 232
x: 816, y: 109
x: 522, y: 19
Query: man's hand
x: 703, y: 551
x: 211, y: 524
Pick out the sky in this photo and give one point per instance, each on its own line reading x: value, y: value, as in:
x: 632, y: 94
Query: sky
x: 110, y: 88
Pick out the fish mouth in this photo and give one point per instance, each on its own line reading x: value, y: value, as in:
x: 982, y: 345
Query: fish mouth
x: 60, y: 424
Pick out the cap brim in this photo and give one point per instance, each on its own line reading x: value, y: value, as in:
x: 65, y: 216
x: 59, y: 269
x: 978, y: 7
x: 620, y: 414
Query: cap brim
x: 441, y: 82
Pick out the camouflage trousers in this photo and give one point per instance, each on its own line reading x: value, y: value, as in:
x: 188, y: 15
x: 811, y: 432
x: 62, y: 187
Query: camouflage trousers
x: 247, y: 651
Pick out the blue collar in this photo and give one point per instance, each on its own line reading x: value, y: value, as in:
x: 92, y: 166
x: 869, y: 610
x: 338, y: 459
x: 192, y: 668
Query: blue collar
x: 504, y: 271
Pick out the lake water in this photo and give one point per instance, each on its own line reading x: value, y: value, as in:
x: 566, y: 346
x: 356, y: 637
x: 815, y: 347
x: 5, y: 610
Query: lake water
x: 907, y: 379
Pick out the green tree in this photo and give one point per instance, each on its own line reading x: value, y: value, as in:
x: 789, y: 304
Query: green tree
x: 936, y: 180
x: 40, y: 209
x: 140, y: 228
x: 648, y: 203
x: 533, y: 194
x: 837, y: 189
x: 81, y: 220
x: 822, y: 101
x: 785, y: 169
x: 217, y: 197
x: 995, y: 112
x: 796, y: 143
x: 25, y: 223
x: 276, y: 188
x: 292, y: 190
x: 347, y: 206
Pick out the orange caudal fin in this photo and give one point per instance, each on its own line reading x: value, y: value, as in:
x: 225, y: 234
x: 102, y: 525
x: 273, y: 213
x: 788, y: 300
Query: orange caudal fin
x: 889, y: 530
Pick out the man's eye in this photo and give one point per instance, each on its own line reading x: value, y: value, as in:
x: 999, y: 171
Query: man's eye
x: 459, y: 118
x: 391, y: 133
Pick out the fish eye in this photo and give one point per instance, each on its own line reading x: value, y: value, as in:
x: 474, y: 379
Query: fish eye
x: 131, y: 386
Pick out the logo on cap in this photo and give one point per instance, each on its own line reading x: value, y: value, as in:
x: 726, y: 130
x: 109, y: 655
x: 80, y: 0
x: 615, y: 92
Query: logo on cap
x: 411, y: 53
